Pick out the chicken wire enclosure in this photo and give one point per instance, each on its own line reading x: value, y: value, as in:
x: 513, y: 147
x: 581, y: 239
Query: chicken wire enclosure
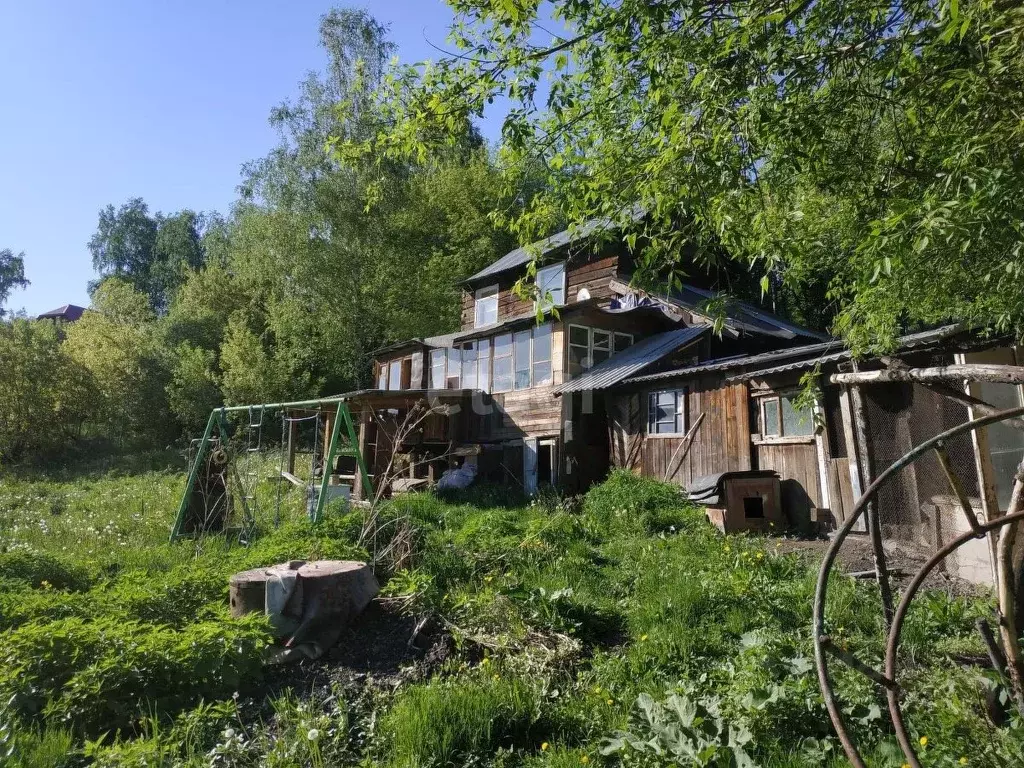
x: 917, y: 504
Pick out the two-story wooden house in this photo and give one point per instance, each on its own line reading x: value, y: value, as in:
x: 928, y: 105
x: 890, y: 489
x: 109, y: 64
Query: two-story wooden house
x: 531, y: 374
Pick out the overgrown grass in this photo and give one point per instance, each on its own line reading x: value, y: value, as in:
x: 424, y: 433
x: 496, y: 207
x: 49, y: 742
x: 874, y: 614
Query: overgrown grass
x: 582, y: 627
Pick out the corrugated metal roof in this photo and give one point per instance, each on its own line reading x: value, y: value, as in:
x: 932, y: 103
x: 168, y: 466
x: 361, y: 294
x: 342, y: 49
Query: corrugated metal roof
x: 739, y: 361
x: 910, y: 341
x: 632, y: 360
x: 807, y: 356
x: 741, y: 314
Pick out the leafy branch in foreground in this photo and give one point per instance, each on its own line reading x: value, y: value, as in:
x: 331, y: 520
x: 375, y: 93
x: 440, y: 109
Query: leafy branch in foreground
x: 864, y: 145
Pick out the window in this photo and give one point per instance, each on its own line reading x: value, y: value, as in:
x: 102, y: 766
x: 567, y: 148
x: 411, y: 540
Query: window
x: 454, y: 368
x: 483, y: 356
x: 551, y: 285
x: 395, y: 374
x: 486, y: 308
x: 780, y: 417
x: 601, y: 346
x: 469, y: 365
x: 522, y: 359
x: 438, y: 358
x: 542, y: 355
x: 666, y: 412
x: 503, y: 362
x: 590, y: 346
x: 579, y: 349
x: 382, y: 376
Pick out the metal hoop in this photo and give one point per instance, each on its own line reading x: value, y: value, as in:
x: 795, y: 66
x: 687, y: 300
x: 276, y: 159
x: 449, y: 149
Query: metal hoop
x: 820, y: 639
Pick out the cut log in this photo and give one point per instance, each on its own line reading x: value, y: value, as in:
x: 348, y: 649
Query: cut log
x: 1002, y: 374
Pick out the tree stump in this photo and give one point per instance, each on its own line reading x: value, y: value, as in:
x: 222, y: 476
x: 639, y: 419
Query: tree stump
x: 325, y: 589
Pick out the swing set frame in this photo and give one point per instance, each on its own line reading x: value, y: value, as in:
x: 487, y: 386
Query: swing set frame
x: 218, y: 421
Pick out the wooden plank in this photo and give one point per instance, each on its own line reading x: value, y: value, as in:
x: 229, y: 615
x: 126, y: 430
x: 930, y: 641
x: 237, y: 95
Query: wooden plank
x: 292, y: 479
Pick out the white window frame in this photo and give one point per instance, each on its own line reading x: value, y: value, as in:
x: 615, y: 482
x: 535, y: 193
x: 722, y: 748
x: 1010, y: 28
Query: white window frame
x: 588, y: 360
x: 482, y: 299
x: 451, y: 366
x: 680, y: 395
x: 543, y: 281
x: 434, y: 383
x: 777, y: 398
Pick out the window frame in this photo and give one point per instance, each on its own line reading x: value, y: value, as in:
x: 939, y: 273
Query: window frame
x: 432, y: 382
x: 485, y: 294
x: 541, y: 301
x: 588, y: 358
x: 681, y: 396
x: 510, y: 356
x: 782, y: 437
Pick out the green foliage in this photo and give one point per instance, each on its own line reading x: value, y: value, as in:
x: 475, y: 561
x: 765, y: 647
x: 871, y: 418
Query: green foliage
x: 861, y: 150
x: 563, y: 614
x: 101, y: 674
x: 12, y: 274
x: 114, y: 343
x: 444, y: 723
x: 39, y: 569
x: 45, y: 394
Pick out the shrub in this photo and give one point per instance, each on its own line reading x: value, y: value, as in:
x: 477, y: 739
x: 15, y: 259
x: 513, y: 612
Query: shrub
x: 440, y: 722
x: 629, y: 503
x: 37, y: 569
x: 100, y: 674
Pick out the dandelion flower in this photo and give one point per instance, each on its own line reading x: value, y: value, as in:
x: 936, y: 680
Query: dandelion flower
x: 643, y: 638
x: 584, y: 759
x: 544, y: 747
x: 486, y: 661
x: 597, y: 689
x: 610, y: 702
x: 313, y: 734
x: 963, y: 761
x: 923, y: 741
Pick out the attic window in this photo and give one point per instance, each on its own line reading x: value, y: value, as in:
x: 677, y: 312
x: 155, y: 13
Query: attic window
x: 486, y: 310
x: 551, y: 285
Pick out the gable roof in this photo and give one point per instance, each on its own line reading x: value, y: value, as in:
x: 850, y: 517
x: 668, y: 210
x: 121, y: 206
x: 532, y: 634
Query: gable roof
x: 69, y: 312
x: 633, y: 359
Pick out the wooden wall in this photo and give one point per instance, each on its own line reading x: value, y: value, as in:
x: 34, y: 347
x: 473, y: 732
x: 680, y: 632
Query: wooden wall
x: 797, y: 465
x: 594, y: 274
x: 722, y: 444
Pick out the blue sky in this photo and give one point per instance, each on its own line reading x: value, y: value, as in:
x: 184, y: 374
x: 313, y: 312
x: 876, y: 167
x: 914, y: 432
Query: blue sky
x: 108, y: 100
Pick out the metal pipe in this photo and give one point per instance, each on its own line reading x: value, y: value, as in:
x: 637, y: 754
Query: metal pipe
x: 821, y: 589
x: 901, y: 613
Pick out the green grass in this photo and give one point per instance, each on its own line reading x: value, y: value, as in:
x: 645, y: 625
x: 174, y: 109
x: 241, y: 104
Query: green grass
x: 115, y: 646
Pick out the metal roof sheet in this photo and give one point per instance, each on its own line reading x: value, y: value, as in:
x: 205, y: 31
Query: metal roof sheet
x: 633, y: 359
x: 742, y: 314
x: 807, y: 356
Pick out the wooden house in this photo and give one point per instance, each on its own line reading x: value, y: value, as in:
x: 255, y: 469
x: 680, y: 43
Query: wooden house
x: 597, y: 374
x: 536, y: 414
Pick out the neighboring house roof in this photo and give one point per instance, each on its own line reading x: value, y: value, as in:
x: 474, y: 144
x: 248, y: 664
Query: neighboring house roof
x: 633, y: 359
x: 69, y: 313
x: 793, y: 358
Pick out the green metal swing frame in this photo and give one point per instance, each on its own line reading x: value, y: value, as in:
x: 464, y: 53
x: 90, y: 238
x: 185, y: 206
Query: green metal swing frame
x: 218, y: 419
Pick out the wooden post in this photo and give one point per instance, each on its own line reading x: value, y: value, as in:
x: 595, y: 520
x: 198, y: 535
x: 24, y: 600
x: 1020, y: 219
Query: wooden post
x: 293, y: 438
x: 986, y: 473
x: 856, y: 484
x: 358, y: 492
x: 874, y: 521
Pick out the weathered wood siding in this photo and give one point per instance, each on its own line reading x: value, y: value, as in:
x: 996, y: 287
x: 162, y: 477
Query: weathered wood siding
x: 797, y: 465
x: 722, y: 443
x: 594, y: 274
